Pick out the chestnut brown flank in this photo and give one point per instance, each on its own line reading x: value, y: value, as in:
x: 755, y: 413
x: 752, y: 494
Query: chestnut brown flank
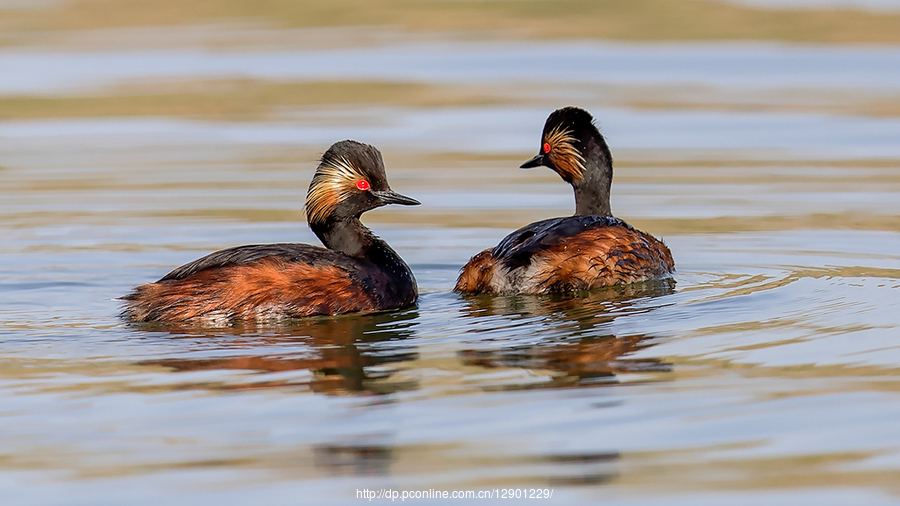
x: 269, y: 288
x: 594, y: 258
x: 602, y: 256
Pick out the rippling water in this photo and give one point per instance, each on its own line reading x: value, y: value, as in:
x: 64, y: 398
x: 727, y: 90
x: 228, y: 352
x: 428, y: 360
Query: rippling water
x: 766, y: 372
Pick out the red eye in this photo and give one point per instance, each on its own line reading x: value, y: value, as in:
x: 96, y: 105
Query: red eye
x: 362, y: 184
x: 546, y: 147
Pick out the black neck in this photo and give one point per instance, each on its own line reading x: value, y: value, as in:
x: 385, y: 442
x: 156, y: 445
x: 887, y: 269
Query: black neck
x: 350, y: 236
x: 592, y: 192
x: 392, y: 280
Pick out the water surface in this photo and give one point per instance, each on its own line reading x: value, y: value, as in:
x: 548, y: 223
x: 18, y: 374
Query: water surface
x: 765, y: 372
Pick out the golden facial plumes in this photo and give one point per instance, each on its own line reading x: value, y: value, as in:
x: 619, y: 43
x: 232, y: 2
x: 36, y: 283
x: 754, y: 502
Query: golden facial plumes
x: 335, y: 180
x: 563, y: 154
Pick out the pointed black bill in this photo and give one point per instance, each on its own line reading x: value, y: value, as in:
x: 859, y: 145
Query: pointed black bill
x: 392, y: 197
x: 534, y: 162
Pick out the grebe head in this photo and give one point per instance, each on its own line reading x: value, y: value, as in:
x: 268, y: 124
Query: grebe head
x: 572, y: 146
x: 349, y: 181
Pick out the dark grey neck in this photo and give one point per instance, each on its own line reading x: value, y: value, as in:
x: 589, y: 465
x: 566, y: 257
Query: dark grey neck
x: 592, y: 192
x: 350, y: 237
x: 354, y: 239
x: 391, y: 280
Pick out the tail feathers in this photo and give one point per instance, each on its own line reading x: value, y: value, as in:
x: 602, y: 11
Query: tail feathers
x: 477, y: 274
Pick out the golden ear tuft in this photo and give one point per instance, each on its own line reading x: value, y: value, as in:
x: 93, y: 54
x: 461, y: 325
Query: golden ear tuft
x: 564, y: 155
x: 334, y: 181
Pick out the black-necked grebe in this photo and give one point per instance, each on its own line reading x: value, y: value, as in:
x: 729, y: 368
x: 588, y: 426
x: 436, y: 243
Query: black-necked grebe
x: 590, y: 250
x: 358, y: 271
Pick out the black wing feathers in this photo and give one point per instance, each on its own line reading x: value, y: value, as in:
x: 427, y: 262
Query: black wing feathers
x: 516, y: 249
x: 290, y: 252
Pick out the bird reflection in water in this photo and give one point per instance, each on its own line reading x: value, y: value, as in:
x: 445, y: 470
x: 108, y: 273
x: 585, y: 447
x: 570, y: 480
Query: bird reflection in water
x: 579, y: 348
x: 345, y: 354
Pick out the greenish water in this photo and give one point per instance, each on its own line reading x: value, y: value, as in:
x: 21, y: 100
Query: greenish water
x: 767, y: 372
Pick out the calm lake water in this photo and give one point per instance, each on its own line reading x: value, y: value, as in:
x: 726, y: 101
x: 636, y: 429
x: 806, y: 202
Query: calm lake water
x: 766, y: 372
